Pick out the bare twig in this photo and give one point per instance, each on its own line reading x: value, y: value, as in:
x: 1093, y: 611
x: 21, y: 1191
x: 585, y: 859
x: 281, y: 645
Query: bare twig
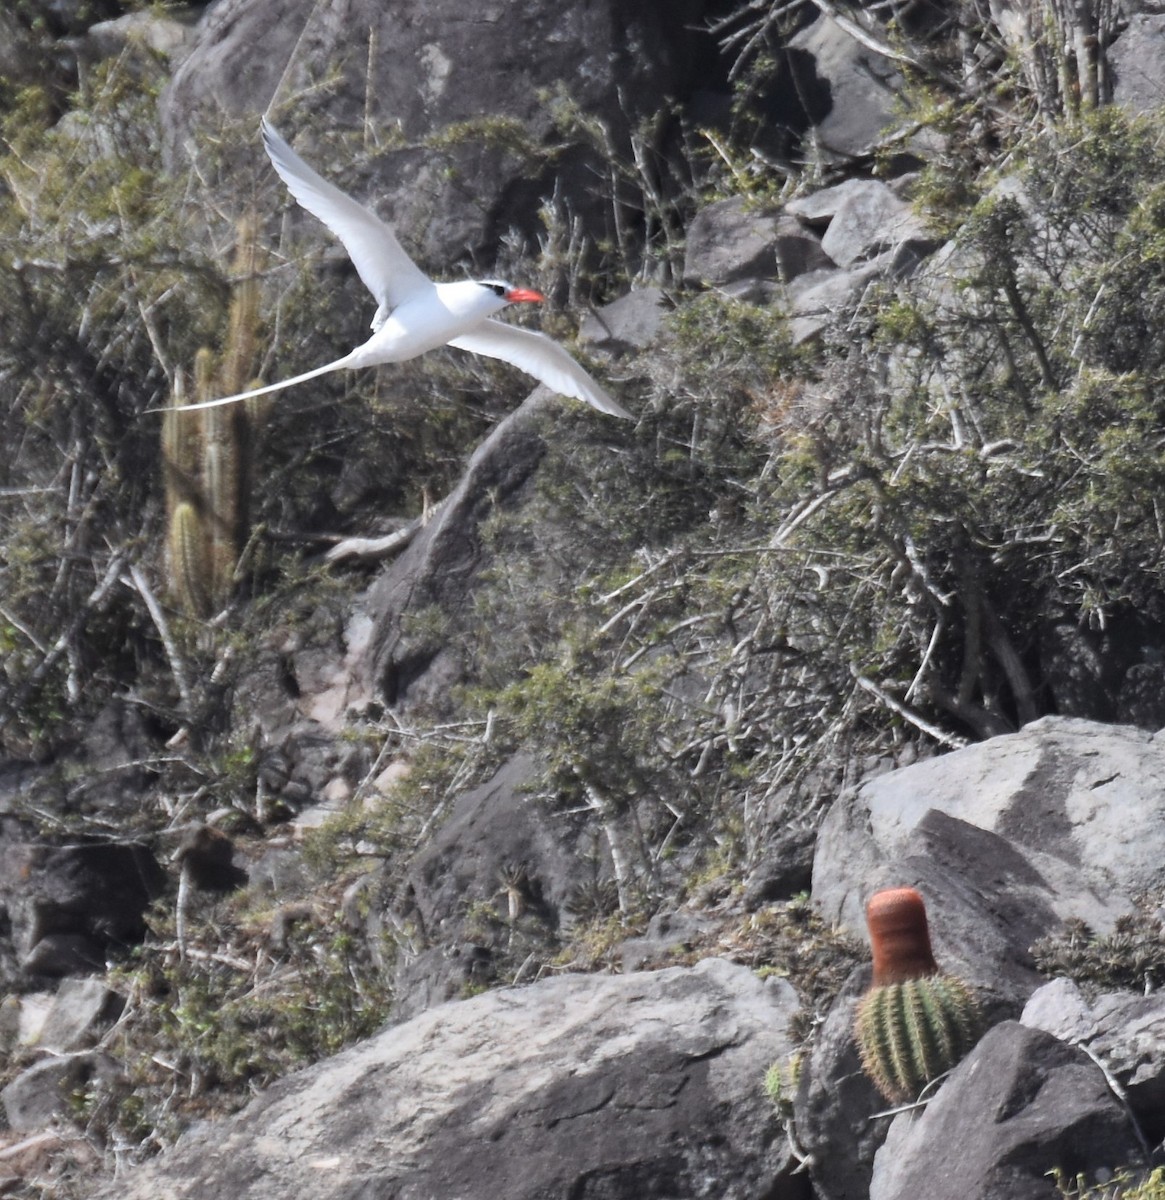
x: 173, y: 654
x: 905, y: 711
x: 93, y: 604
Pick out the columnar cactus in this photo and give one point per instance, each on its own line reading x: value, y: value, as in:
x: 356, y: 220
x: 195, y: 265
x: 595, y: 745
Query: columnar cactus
x: 186, y: 558
x: 915, y: 1022
x: 208, y: 454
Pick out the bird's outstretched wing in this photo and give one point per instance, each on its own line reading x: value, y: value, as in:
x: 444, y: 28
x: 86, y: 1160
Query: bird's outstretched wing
x: 387, y: 271
x: 538, y: 355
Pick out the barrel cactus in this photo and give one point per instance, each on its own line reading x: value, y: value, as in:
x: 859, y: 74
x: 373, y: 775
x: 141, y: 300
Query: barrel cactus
x: 915, y: 1022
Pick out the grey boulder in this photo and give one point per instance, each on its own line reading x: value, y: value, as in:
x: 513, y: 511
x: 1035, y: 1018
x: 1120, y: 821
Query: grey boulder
x: 623, y: 1087
x: 1021, y: 1105
x: 51, y: 1087
x: 1123, y: 1031
x: 415, y: 77
x: 1075, y: 800
x: 848, y: 91
x: 733, y: 240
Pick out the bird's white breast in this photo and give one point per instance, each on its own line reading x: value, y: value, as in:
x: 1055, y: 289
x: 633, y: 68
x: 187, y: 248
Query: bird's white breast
x: 426, y: 320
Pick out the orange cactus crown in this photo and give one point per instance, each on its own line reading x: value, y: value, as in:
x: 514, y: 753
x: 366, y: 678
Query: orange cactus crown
x: 899, y: 936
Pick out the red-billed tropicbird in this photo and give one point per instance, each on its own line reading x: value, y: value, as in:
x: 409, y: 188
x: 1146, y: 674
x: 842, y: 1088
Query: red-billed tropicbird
x: 414, y: 314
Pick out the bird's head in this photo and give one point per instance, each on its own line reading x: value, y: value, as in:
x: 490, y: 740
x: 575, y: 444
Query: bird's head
x: 509, y: 293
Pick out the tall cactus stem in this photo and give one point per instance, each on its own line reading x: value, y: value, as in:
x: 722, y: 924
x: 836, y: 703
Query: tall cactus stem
x: 186, y: 553
x: 208, y: 455
x: 243, y: 321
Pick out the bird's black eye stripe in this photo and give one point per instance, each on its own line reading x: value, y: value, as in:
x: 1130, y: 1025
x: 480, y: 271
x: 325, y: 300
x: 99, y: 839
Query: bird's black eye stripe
x: 498, y: 289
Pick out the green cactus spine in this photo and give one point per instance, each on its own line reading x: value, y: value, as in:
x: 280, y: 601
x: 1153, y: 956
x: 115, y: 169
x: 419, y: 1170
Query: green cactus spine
x: 914, y: 1031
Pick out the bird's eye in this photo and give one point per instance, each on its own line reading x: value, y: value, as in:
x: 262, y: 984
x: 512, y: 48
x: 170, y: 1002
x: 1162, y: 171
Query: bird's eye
x: 498, y: 289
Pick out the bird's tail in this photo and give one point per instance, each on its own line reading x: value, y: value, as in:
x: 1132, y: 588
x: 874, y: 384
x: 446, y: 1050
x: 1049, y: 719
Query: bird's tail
x: 261, y: 391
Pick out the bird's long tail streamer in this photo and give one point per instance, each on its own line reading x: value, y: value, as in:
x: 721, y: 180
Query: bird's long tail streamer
x: 261, y: 391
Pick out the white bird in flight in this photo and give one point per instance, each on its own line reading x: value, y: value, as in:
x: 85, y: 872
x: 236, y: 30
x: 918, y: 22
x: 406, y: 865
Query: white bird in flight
x: 413, y: 313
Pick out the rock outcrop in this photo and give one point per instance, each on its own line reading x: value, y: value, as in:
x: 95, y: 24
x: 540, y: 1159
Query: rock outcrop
x: 1123, y: 1031
x: 634, y: 1086
x: 411, y: 77
x: 1021, y: 1103
x: 1072, y: 802
x: 65, y: 906
x: 1007, y: 840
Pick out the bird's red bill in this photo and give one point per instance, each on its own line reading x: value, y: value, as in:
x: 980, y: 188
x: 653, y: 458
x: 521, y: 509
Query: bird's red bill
x: 517, y: 295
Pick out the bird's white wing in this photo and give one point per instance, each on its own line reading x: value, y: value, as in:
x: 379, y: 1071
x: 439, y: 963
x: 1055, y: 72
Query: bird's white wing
x: 387, y: 271
x: 538, y: 355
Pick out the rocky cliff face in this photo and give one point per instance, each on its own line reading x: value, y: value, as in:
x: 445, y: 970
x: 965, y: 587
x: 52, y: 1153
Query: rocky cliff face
x: 544, y: 762
x: 454, y: 104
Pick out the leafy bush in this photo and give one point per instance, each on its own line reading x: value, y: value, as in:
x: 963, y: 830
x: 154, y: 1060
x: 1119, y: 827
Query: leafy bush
x: 241, y: 998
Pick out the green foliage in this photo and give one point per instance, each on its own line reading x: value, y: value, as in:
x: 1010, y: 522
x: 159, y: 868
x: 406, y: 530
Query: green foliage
x: 72, y: 268
x: 1125, y: 1185
x: 781, y: 1081
x: 910, y: 1033
x: 586, y: 719
x: 246, y: 998
x: 980, y: 453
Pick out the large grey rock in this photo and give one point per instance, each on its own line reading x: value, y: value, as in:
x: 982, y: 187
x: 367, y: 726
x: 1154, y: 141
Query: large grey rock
x: 816, y: 209
x: 621, y: 1087
x: 1076, y: 801
x: 404, y: 73
x: 67, y: 905
x: 1137, y: 59
x: 798, y: 249
x: 1123, y: 1030
x: 1020, y: 1104
x: 114, y: 742
x: 733, y: 241
x: 496, y: 883
x: 58, y: 954
x: 156, y: 32
x: 49, y: 1088
x: 823, y: 298
x: 870, y: 220
x: 1058, y: 1008
x: 729, y: 241
x: 80, y: 1010
x: 847, y: 89
x: 666, y: 933
x: 628, y: 324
